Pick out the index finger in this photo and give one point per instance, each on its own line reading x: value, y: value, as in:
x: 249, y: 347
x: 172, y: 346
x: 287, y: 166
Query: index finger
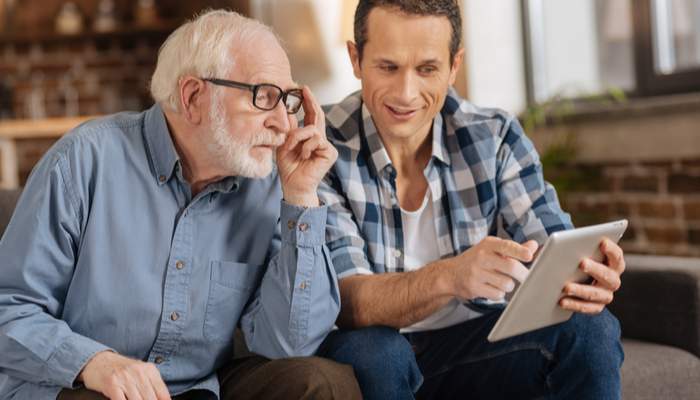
x: 514, y: 250
x: 161, y: 390
x: 293, y: 123
x: 313, y: 114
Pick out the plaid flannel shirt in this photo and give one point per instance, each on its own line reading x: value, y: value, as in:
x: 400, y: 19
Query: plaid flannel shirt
x: 482, y: 166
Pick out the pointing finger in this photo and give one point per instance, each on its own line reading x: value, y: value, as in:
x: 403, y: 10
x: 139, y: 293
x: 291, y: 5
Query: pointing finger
x: 293, y: 122
x: 513, y: 249
x: 313, y: 114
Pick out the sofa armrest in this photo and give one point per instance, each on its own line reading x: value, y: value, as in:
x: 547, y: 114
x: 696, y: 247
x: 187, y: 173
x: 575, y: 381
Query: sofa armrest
x: 659, y: 301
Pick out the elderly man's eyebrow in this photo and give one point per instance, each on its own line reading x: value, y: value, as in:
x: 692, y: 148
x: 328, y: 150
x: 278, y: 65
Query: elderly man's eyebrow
x: 293, y: 85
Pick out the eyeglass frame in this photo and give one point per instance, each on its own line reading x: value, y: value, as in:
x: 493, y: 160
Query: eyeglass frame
x: 254, y: 88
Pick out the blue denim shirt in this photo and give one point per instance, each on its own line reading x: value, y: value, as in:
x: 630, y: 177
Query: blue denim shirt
x: 107, y: 251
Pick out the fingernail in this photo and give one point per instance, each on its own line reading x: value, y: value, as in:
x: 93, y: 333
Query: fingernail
x: 571, y: 291
x: 565, y: 303
x: 586, y: 266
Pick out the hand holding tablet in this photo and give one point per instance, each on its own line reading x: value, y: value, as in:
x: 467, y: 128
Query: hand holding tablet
x: 557, y: 273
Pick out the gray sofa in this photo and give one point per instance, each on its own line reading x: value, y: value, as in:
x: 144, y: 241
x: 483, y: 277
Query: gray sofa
x: 658, y: 307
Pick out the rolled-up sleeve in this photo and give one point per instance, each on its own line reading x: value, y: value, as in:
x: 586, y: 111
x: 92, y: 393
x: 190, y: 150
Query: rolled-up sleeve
x: 343, y: 237
x: 298, y: 300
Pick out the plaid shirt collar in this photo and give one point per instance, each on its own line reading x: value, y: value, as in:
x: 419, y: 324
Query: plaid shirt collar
x: 375, y: 153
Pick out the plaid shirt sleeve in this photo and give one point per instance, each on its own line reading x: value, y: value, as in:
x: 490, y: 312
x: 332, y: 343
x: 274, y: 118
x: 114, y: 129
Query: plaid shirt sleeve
x: 343, y: 238
x: 528, y: 204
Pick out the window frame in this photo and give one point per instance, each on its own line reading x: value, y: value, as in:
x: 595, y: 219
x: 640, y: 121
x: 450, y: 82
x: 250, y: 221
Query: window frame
x: 649, y: 83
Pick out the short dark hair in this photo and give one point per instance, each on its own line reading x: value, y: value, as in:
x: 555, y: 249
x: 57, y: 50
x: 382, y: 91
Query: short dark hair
x: 447, y: 8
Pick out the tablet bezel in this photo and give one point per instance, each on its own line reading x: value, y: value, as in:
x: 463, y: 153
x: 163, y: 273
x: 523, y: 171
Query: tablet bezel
x: 535, y: 304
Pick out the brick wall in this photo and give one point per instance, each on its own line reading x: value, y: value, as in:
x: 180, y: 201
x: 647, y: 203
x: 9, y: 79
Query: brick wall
x: 642, y: 163
x: 661, y: 201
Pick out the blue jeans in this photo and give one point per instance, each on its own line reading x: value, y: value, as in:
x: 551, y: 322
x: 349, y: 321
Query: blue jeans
x: 577, y: 359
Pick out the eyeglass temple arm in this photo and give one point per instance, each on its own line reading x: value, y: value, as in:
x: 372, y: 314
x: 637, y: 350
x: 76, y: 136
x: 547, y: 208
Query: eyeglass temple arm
x: 232, y: 84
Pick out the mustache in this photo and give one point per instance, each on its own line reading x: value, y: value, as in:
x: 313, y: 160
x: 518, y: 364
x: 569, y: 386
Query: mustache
x: 268, y: 137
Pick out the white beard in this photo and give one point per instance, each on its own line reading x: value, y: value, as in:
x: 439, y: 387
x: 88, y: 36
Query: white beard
x: 234, y: 153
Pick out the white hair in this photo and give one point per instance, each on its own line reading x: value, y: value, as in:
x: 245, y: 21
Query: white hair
x: 202, y: 47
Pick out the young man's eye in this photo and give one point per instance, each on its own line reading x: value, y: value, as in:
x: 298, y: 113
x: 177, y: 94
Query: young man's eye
x: 427, y: 70
x: 389, y: 68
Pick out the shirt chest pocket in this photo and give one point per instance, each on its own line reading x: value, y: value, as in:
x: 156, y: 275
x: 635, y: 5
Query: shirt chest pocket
x: 474, y: 231
x: 230, y: 287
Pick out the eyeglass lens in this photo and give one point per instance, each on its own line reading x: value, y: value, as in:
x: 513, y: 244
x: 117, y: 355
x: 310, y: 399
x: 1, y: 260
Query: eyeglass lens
x: 294, y: 100
x: 267, y: 97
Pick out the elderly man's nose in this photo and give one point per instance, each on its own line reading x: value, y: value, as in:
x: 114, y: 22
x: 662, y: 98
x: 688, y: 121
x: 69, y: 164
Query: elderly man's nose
x: 278, y: 119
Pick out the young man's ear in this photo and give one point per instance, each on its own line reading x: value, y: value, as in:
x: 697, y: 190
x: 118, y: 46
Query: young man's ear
x: 191, y: 99
x: 456, y: 62
x: 354, y: 59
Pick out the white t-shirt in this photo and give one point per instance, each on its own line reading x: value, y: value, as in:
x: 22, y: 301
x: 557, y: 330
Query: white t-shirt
x: 420, y: 249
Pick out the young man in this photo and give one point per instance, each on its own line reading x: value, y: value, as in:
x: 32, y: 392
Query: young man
x: 142, y: 240
x: 414, y: 200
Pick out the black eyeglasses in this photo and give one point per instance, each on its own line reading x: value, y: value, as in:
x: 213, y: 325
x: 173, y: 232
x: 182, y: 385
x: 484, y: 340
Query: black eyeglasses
x: 266, y: 95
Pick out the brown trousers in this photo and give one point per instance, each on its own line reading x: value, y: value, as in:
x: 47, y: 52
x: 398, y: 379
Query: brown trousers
x: 259, y: 378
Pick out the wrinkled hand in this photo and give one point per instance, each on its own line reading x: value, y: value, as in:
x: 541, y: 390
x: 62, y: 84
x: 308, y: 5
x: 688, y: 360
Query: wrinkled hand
x: 306, y: 156
x: 482, y: 270
x: 120, y: 378
x: 590, y: 299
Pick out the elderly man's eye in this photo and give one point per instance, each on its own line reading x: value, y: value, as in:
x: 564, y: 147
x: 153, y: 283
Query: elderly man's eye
x: 263, y: 95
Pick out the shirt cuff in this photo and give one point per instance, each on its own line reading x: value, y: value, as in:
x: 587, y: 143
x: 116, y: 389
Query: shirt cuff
x: 67, y: 361
x: 303, y: 226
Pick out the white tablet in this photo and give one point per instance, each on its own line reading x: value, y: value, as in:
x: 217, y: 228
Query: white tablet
x: 535, y: 304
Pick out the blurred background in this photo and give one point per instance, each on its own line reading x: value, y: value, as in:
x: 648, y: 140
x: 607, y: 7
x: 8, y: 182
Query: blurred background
x: 608, y: 90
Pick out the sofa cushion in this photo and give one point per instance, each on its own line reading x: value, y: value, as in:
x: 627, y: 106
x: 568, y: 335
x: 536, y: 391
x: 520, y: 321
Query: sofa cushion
x: 8, y: 200
x: 659, y: 301
x: 655, y: 371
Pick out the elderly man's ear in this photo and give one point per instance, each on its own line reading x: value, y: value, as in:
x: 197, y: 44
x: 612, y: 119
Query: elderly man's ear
x: 192, y: 99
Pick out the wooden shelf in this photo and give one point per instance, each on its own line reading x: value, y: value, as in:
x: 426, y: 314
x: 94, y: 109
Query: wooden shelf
x: 165, y: 26
x: 12, y: 130
x: 42, y: 128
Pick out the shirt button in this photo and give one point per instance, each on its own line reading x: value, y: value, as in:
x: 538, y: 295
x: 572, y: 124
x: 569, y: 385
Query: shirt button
x: 179, y: 265
x: 162, y: 178
x: 291, y: 224
x: 177, y: 167
x: 303, y: 286
x: 174, y: 316
x: 186, y: 212
x: 303, y: 227
x: 397, y: 253
x: 159, y: 360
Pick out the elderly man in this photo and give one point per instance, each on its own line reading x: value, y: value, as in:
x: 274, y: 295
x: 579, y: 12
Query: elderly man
x: 414, y: 201
x: 142, y: 240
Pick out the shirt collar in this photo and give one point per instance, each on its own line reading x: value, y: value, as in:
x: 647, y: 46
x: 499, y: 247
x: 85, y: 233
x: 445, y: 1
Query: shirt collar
x: 372, y: 146
x: 163, y: 154
x: 160, y: 145
x: 440, y: 150
x: 376, y: 154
